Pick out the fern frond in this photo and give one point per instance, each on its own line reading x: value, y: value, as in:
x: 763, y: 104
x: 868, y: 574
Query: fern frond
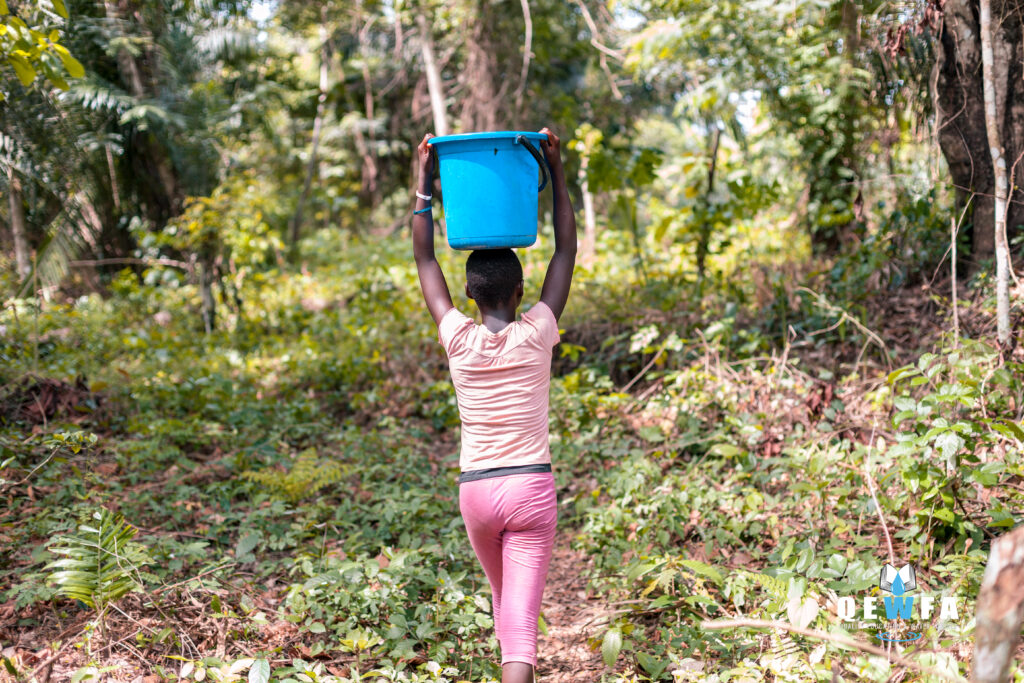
x: 773, y: 585
x: 308, y: 474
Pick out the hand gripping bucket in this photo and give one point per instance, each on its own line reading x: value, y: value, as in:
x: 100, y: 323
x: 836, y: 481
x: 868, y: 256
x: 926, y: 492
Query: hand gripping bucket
x: 489, y: 186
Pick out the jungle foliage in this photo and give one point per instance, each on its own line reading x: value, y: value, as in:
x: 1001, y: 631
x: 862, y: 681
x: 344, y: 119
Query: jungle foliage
x: 228, y: 438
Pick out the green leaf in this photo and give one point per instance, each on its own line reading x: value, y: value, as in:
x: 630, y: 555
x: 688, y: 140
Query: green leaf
x: 838, y: 564
x: 1001, y: 518
x: 662, y: 601
x: 3, y: 8
x: 705, y: 570
x: 259, y: 672
x: 542, y: 625
x: 651, y: 434
x: 904, y: 403
x: 85, y: 673
x: 650, y: 664
x: 58, y: 6
x: 246, y: 544
x: 988, y: 474
x: 726, y: 450
x: 899, y: 374
x: 903, y: 415
x: 7, y: 663
x: 945, y: 514
x: 949, y: 443
x: 317, y: 627
x: 611, y: 646
x: 1009, y: 429
x: 639, y: 570
x: 26, y: 74
x: 74, y: 67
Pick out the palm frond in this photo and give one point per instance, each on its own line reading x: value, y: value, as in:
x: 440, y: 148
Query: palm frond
x: 62, y: 244
x: 100, y: 97
x: 227, y: 41
x: 100, y: 564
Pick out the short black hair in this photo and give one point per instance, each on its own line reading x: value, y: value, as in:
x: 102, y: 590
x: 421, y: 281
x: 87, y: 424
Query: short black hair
x: 492, y: 275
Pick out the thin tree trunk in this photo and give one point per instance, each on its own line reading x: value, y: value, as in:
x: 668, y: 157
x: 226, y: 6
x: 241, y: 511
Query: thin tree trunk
x: 19, y: 230
x: 1000, y: 171
x: 370, y: 172
x: 113, y: 178
x: 434, y: 85
x: 206, y: 276
x: 952, y: 259
x: 527, y: 47
x: 318, y: 121
x: 704, y: 236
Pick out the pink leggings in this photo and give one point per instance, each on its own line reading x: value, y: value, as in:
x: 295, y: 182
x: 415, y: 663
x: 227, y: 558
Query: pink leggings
x: 511, y: 525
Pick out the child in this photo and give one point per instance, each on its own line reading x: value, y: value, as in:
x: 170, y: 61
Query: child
x: 502, y: 371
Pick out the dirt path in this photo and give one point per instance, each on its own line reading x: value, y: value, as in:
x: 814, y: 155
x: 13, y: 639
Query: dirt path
x: 563, y: 655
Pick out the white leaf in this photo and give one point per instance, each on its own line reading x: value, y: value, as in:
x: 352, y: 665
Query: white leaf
x: 259, y: 672
x: 802, y: 614
x: 240, y: 665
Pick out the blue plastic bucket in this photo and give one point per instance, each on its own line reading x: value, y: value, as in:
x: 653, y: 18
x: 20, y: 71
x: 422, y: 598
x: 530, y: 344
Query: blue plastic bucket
x: 489, y: 186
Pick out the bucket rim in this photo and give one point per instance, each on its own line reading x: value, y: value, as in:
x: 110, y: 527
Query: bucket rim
x: 491, y: 135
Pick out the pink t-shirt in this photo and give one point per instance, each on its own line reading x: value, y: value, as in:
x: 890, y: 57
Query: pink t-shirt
x: 501, y: 383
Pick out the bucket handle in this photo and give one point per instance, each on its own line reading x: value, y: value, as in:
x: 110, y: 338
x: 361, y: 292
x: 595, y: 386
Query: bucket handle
x: 541, y: 161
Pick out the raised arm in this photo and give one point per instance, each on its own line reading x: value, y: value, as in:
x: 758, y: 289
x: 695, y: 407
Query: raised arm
x: 432, y: 282
x: 559, y: 275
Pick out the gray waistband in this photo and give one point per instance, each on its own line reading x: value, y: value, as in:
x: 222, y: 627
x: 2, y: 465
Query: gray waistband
x: 473, y: 475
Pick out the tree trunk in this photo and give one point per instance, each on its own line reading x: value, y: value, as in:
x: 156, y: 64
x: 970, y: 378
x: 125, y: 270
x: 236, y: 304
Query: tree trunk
x: 368, y: 191
x: 832, y: 184
x: 433, y: 77
x: 481, y: 107
x: 960, y: 113
x: 318, y: 120
x: 209, y: 303
x: 704, y: 234
x: 19, y: 230
x: 1000, y: 609
x: 992, y: 111
x: 527, y: 47
x: 154, y: 158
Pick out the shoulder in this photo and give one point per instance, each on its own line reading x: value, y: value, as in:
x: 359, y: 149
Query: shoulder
x: 452, y: 323
x: 542, y: 318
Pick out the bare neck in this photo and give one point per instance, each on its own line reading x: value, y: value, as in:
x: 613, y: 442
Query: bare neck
x: 497, y: 319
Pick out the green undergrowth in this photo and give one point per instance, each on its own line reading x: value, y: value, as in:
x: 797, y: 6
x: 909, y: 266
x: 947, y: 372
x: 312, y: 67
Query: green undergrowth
x: 289, y: 480
x: 731, y: 496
